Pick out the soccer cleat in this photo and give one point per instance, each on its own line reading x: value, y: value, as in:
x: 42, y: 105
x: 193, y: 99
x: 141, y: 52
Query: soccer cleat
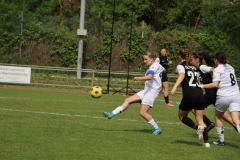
x: 200, y: 133
x: 109, y: 115
x: 207, y: 145
x: 218, y: 142
x: 169, y: 104
x: 157, y: 131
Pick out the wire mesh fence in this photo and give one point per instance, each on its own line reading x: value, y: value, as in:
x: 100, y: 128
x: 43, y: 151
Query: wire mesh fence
x: 117, y: 82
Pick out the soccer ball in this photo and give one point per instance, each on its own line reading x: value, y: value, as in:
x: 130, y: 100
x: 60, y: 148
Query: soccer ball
x: 96, y: 92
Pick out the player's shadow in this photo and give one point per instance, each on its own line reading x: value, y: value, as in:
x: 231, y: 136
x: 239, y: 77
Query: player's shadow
x: 210, y: 139
x: 186, y: 142
x: 125, y: 130
x: 139, y: 130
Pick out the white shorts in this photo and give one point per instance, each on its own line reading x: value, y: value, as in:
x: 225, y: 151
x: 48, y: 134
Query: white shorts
x: 223, y: 102
x: 148, y: 96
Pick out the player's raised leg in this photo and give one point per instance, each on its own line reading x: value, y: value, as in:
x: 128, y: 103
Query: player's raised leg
x: 132, y: 99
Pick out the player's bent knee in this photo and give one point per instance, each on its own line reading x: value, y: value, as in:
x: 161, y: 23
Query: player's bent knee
x: 142, y: 113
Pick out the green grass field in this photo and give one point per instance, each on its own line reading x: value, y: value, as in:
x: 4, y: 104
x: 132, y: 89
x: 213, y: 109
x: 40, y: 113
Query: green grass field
x: 56, y: 124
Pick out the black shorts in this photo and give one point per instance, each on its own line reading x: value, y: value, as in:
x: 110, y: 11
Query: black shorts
x: 164, y: 77
x: 191, y: 105
x: 209, y: 100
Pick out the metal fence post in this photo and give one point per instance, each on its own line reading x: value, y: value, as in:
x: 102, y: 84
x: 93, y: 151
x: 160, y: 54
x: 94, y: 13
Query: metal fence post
x: 92, y: 78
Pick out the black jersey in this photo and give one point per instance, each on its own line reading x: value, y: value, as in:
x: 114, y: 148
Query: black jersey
x: 210, y: 93
x: 206, y: 78
x: 191, y: 92
x: 164, y: 61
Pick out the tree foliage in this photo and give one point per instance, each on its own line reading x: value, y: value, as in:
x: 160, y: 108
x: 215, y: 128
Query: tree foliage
x: 125, y: 29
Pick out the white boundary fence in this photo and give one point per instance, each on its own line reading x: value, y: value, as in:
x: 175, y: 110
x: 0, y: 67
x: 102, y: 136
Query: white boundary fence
x: 67, y: 77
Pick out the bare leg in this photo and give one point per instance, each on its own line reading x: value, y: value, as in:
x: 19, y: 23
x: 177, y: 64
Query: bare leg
x: 185, y: 120
x: 144, y: 112
x: 218, y: 118
x: 132, y: 99
x: 210, y: 125
x: 235, y: 118
x: 199, y: 117
x: 193, y: 111
x: 182, y: 114
x: 202, y: 130
x: 226, y: 117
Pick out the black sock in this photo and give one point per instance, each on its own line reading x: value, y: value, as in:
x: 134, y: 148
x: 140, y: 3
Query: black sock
x: 206, y: 120
x: 211, y: 126
x: 236, y: 129
x: 187, y: 121
x: 205, y: 135
x: 166, y: 99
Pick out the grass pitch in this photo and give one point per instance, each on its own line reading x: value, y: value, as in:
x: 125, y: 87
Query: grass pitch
x: 54, y: 124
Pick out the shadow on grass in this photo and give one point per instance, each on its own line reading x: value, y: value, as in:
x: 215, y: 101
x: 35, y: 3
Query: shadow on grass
x: 210, y: 141
x: 228, y: 145
x: 127, y: 130
x: 186, y: 142
x: 139, y: 130
x: 210, y: 136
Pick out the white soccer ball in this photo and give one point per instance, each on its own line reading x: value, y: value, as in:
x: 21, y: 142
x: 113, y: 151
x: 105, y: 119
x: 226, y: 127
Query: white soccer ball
x: 96, y: 92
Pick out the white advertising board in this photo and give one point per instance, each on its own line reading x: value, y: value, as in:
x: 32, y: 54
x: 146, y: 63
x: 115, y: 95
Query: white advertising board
x: 9, y: 74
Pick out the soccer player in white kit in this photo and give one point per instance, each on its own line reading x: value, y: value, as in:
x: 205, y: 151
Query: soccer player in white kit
x: 228, y: 95
x: 148, y: 95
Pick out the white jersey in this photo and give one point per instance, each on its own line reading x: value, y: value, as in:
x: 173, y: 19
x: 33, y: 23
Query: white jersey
x: 155, y: 83
x: 225, y: 75
x: 204, y: 74
x: 205, y: 69
x: 157, y: 60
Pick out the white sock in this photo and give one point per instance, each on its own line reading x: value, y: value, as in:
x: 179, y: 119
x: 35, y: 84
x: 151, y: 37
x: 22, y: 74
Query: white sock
x: 220, y: 132
x: 118, y: 110
x: 238, y: 128
x: 201, y: 128
x: 153, y: 123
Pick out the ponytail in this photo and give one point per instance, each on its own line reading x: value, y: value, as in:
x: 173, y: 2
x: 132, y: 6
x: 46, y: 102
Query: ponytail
x: 151, y: 55
x: 208, y: 58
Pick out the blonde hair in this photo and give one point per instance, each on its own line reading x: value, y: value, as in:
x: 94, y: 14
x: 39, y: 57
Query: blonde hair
x: 151, y: 55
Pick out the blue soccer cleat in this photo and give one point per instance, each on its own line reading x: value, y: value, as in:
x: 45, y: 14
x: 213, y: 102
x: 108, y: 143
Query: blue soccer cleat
x: 218, y: 142
x: 109, y: 115
x: 157, y: 131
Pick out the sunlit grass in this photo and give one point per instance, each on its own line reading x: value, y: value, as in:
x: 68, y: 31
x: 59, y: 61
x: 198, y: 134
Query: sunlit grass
x: 59, y: 124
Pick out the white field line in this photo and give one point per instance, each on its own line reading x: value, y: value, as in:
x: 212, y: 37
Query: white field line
x: 74, y: 115
x: 60, y: 100
x: 158, y: 99
x: 87, y: 116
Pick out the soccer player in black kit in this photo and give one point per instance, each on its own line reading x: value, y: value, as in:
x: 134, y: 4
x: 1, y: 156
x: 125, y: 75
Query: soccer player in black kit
x: 163, y: 60
x: 205, y: 77
x: 192, y: 96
